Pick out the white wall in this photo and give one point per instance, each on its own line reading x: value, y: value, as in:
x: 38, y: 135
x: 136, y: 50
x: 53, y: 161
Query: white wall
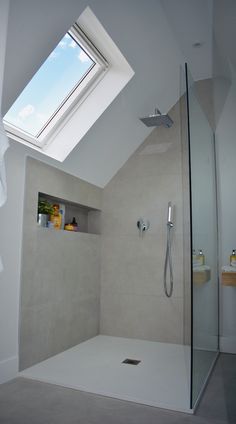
x: 226, y: 146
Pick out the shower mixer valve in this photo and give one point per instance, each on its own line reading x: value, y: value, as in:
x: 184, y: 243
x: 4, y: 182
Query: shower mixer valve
x: 143, y: 225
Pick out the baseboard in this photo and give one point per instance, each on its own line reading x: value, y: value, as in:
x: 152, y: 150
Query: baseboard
x: 205, y: 341
x: 8, y: 369
x: 228, y: 344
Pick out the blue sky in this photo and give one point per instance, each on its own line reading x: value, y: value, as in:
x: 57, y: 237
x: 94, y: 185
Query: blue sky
x: 49, y: 86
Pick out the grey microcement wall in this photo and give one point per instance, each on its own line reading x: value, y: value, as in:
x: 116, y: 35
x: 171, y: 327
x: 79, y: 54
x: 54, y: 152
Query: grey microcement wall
x: 133, y: 303
x: 74, y: 286
x: 60, y: 279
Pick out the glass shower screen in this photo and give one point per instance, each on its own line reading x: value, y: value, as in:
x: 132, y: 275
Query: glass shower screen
x: 204, y: 284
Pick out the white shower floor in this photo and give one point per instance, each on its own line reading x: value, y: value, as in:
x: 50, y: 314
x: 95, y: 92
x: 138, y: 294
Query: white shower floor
x: 161, y: 378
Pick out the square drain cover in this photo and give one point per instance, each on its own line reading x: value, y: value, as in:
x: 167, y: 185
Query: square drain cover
x: 131, y: 361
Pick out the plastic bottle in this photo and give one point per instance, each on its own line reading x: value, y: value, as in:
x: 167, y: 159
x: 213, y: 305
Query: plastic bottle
x: 201, y: 258
x: 194, y: 258
x: 56, y: 217
x: 75, y: 225
x: 233, y: 258
x: 69, y: 227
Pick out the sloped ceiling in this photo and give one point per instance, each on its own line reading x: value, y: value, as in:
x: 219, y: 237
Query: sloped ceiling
x: 191, y: 22
x: 152, y: 44
x: 225, y: 31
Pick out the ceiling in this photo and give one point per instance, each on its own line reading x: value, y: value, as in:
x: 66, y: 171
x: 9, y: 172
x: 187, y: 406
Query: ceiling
x: 224, y: 17
x: 191, y: 22
x: 155, y: 36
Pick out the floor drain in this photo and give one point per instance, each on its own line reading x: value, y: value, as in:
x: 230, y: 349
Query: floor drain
x: 131, y: 361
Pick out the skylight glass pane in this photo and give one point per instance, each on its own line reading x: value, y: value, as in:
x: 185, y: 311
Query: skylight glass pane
x: 47, y: 90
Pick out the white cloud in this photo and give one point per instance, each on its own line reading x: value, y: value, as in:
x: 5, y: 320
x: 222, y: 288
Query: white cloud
x: 83, y: 57
x: 53, y: 55
x: 62, y: 44
x: 73, y: 44
x: 26, y: 112
x: 41, y: 117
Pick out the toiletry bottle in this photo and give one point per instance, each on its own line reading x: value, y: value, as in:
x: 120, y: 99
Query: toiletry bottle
x: 69, y: 227
x: 201, y: 258
x: 75, y: 225
x: 62, y: 211
x: 233, y: 258
x: 56, y: 217
x: 194, y: 258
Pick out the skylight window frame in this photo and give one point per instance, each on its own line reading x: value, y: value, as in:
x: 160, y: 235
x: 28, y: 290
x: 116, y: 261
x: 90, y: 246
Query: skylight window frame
x: 73, y: 99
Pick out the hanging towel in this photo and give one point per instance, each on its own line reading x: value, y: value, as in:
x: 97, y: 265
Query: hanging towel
x: 4, y: 9
x: 3, y: 147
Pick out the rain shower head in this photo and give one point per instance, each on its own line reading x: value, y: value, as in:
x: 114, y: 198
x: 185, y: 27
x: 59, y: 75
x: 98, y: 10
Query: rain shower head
x: 157, y: 120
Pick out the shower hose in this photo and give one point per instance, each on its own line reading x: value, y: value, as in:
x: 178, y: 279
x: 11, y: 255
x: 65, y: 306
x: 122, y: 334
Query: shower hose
x: 168, y: 262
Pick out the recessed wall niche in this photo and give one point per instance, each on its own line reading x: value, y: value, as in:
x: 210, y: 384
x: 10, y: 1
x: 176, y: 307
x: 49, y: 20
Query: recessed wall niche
x: 60, y: 272
x: 88, y: 218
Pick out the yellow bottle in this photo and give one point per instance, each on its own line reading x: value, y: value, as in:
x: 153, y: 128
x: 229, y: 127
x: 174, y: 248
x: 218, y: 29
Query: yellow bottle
x: 201, y: 258
x: 233, y: 258
x: 194, y: 258
x: 69, y: 227
x: 56, y: 217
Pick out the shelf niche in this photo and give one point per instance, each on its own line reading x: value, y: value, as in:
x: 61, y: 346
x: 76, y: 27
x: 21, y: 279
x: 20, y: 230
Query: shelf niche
x: 88, y: 218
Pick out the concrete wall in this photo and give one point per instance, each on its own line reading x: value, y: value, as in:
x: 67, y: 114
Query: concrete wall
x: 60, y: 279
x: 133, y: 303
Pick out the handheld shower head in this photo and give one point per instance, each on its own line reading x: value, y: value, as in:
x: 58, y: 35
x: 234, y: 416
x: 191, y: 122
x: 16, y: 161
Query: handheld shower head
x: 170, y: 214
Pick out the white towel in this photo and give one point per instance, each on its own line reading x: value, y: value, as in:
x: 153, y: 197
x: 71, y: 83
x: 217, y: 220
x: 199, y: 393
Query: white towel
x: 4, y: 9
x: 199, y: 268
x: 228, y: 268
x: 3, y: 147
x: 1, y: 265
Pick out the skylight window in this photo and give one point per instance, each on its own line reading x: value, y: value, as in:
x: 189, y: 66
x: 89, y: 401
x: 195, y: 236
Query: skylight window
x: 67, y: 75
x: 75, y: 85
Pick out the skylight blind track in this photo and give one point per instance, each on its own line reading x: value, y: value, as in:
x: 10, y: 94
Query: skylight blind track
x: 83, y: 37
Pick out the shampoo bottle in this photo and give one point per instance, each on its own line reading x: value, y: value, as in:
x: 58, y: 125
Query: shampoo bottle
x: 233, y: 258
x: 56, y: 217
x: 201, y: 258
x: 194, y: 258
